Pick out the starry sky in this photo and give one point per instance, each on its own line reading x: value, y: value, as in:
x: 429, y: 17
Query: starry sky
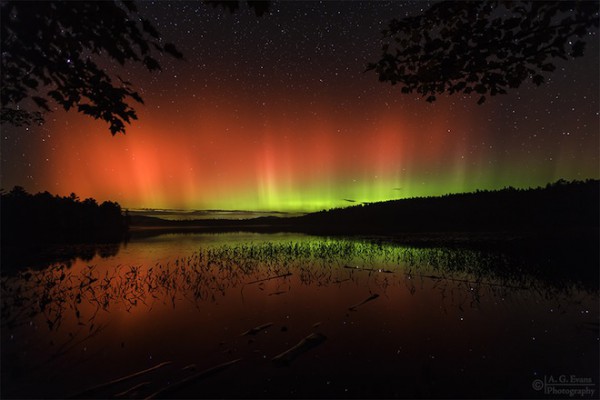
x: 275, y: 113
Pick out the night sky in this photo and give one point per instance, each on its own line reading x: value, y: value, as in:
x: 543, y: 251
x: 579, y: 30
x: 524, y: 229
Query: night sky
x: 275, y: 113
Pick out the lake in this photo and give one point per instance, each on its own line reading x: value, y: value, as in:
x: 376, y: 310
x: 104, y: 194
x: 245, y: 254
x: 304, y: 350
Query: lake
x: 248, y: 315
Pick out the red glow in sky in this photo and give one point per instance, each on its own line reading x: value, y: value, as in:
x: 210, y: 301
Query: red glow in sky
x: 208, y: 157
x: 276, y: 114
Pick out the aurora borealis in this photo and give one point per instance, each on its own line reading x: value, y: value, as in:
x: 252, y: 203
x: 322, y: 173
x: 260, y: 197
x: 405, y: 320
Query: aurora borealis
x: 275, y: 113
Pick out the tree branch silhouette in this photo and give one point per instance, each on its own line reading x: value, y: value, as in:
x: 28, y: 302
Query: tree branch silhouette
x: 482, y: 47
x: 50, y: 51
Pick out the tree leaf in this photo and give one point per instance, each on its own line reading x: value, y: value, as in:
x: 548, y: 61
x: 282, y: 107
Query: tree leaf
x: 172, y: 50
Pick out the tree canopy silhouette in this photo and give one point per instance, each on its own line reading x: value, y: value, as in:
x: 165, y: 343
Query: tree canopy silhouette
x: 44, y: 218
x: 51, y: 51
x: 260, y: 7
x: 482, y: 47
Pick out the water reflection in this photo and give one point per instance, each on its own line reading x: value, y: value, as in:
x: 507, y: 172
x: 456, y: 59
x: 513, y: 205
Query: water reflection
x: 15, y: 258
x: 210, y: 273
x: 219, y: 302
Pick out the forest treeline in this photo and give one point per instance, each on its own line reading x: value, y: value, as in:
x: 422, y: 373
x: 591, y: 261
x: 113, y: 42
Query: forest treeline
x: 43, y: 218
x: 557, y: 206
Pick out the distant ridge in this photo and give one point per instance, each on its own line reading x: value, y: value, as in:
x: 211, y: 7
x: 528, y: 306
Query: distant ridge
x: 559, y: 205
x: 179, y: 214
x: 556, y: 207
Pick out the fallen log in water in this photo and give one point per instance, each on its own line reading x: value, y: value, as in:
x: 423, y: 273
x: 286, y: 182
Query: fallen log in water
x: 312, y: 340
x: 89, y: 392
x: 190, y: 367
x: 257, y: 329
x: 371, y: 297
x: 168, y: 391
x: 263, y: 280
x: 132, y: 390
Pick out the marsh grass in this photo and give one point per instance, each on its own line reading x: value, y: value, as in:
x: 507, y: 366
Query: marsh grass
x: 354, y: 288
x: 210, y: 273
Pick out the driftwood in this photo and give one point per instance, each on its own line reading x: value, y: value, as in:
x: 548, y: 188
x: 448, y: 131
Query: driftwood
x: 191, y: 367
x: 168, y: 391
x: 257, y: 329
x: 132, y: 390
x: 263, y: 280
x: 89, y: 392
x: 368, y: 299
x: 312, y: 340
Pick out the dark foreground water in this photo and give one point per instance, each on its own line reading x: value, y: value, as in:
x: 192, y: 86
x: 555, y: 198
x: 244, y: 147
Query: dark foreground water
x: 285, y: 315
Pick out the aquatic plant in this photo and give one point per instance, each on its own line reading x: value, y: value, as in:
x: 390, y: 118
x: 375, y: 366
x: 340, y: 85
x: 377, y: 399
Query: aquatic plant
x: 211, y: 272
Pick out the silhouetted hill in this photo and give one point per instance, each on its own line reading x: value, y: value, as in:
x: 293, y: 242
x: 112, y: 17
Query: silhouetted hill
x: 558, y: 206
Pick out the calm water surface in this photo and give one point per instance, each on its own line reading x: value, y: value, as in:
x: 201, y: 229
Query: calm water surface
x: 363, y: 319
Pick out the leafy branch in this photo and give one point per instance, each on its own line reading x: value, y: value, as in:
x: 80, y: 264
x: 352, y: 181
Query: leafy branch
x: 482, y: 47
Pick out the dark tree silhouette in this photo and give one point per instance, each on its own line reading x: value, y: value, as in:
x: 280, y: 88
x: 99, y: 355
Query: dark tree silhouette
x: 50, y: 50
x: 559, y: 207
x: 260, y: 7
x: 482, y: 47
x: 44, y: 218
